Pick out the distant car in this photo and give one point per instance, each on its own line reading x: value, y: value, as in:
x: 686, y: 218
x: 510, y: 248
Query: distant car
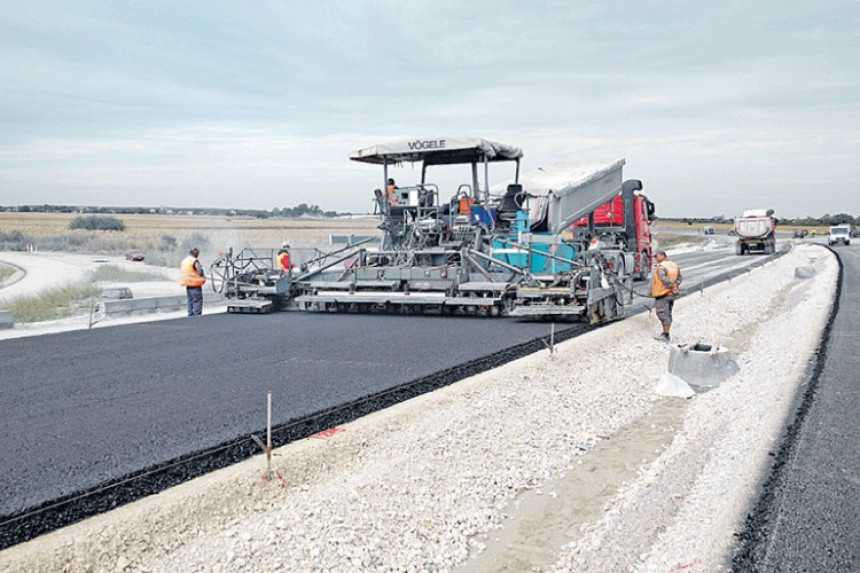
x: 136, y: 256
x: 708, y: 230
x: 855, y: 233
x: 115, y: 293
x: 800, y: 233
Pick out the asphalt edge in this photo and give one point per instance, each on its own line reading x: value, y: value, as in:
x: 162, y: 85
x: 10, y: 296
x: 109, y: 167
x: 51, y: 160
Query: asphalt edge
x: 750, y: 551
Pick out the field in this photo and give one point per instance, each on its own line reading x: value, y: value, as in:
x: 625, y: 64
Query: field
x: 169, y: 236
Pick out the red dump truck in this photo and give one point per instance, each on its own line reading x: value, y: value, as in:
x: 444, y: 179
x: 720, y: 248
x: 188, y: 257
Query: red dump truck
x: 756, y: 232
x: 612, y: 226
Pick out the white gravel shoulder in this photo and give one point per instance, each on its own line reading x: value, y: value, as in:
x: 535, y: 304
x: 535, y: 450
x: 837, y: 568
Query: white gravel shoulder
x: 480, y: 475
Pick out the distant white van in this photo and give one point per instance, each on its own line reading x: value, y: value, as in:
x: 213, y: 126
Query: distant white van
x: 839, y: 234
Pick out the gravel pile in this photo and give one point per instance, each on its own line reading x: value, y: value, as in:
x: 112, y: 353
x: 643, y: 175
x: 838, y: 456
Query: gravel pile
x: 564, y: 461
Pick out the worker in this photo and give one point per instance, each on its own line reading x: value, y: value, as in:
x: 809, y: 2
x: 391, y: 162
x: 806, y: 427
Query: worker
x: 665, y: 286
x: 392, y: 196
x: 282, y: 259
x: 192, y: 278
x: 465, y: 205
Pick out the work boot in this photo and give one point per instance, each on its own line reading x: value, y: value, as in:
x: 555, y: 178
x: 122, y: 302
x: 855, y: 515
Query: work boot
x: 664, y: 337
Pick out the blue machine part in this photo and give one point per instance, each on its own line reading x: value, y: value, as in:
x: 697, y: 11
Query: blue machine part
x: 540, y: 263
x: 482, y: 215
x: 536, y: 262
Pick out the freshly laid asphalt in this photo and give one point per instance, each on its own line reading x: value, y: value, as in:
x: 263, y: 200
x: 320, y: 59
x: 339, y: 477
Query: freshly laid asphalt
x: 86, y: 407
x: 808, y: 514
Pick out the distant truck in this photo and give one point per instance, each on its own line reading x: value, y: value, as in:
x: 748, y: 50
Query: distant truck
x: 756, y: 232
x: 839, y: 234
x: 610, y: 226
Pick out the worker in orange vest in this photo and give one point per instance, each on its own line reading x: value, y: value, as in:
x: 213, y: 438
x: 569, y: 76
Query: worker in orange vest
x: 192, y: 278
x: 465, y: 205
x: 665, y: 286
x: 282, y: 259
x: 392, y: 196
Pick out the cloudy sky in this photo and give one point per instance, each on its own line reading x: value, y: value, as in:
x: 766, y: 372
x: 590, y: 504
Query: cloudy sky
x: 716, y: 106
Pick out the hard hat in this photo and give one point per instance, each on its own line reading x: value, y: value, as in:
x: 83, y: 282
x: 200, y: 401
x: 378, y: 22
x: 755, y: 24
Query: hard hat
x: 286, y: 244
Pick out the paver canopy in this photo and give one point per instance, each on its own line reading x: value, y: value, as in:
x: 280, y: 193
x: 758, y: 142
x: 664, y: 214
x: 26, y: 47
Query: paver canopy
x: 438, y: 151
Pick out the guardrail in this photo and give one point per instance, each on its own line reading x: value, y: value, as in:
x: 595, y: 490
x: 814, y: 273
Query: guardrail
x: 132, y: 306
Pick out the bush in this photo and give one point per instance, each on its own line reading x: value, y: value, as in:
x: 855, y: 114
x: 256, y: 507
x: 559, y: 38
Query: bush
x: 194, y: 240
x: 14, y: 240
x: 96, y: 223
x: 162, y: 259
x: 167, y: 243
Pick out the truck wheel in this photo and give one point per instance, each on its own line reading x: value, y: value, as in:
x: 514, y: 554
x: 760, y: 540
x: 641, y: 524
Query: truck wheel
x: 739, y: 249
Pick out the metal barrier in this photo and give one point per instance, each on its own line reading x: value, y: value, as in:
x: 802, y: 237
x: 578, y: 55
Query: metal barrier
x: 132, y: 306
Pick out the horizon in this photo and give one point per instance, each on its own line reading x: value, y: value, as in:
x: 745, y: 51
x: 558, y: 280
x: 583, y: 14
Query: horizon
x: 247, y: 212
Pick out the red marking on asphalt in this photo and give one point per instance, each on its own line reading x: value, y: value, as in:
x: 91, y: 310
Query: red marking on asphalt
x: 326, y: 434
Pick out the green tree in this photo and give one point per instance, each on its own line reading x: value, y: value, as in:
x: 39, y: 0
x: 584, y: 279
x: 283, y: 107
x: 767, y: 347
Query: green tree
x: 96, y: 223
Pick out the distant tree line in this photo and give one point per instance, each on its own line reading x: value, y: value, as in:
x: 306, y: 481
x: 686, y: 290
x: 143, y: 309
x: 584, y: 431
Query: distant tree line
x: 302, y: 210
x: 823, y: 221
x: 826, y: 220
x: 298, y: 211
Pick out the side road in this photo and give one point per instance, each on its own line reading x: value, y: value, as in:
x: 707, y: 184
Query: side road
x: 472, y: 476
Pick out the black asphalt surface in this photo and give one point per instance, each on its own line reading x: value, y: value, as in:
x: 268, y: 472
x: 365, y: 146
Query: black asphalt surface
x: 807, y: 518
x: 87, y: 408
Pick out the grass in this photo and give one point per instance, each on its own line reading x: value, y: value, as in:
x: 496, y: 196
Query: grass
x: 165, y: 239
x: 114, y: 273
x: 53, y: 304
x: 65, y: 301
x: 669, y: 240
x: 6, y: 272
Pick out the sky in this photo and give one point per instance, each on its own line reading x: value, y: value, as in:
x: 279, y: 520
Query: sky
x: 717, y: 107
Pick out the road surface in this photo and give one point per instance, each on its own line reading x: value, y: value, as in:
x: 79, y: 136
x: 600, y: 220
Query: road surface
x: 807, y: 517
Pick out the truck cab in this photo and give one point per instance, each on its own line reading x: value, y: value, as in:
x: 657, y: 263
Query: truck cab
x: 608, y: 224
x: 839, y: 234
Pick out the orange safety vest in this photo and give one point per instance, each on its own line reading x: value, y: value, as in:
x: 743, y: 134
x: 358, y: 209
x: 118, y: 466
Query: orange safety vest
x: 657, y: 286
x: 391, y: 197
x: 466, y: 205
x: 283, y: 259
x: 188, y: 274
